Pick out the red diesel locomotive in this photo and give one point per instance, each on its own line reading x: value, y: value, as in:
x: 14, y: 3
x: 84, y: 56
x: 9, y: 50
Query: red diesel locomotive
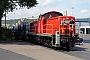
x: 54, y: 30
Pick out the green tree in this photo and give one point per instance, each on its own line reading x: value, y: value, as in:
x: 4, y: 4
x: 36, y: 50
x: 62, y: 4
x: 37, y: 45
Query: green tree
x: 10, y: 5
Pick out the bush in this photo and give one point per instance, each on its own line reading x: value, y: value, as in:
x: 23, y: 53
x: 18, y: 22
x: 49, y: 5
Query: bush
x: 5, y: 34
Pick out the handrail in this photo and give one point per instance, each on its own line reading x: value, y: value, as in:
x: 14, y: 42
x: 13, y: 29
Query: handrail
x: 33, y: 28
x: 42, y: 28
x: 67, y: 29
x: 59, y: 29
x: 48, y: 29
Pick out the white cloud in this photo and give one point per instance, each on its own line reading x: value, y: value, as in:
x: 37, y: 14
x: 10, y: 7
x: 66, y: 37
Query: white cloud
x: 84, y: 11
x: 47, y: 2
x: 14, y: 15
x: 54, y: 5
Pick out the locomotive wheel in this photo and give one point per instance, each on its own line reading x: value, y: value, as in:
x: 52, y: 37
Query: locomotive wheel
x: 69, y: 46
x: 50, y: 45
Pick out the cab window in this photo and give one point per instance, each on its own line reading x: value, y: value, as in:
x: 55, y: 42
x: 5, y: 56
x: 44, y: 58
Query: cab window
x: 48, y: 16
x: 57, y: 14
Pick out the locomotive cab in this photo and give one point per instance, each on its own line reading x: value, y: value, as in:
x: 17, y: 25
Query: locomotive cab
x: 67, y: 31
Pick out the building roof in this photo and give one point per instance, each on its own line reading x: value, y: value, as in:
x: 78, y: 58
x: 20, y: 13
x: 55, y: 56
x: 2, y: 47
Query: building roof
x: 13, y: 21
x: 83, y: 20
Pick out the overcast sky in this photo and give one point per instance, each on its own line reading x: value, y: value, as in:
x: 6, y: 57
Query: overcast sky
x: 80, y: 9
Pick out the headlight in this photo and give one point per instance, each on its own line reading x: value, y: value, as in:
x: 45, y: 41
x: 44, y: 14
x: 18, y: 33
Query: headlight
x: 63, y: 40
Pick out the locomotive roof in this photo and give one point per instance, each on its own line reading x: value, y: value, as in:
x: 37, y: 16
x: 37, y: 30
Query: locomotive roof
x: 52, y: 12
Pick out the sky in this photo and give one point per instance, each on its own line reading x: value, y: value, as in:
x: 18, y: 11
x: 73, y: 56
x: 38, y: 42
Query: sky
x: 77, y: 8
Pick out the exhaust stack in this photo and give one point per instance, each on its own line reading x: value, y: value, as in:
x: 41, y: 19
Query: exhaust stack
x: 65, y: 13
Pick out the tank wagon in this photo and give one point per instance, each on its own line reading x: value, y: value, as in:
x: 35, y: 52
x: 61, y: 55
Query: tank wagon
x: 52, y: 29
